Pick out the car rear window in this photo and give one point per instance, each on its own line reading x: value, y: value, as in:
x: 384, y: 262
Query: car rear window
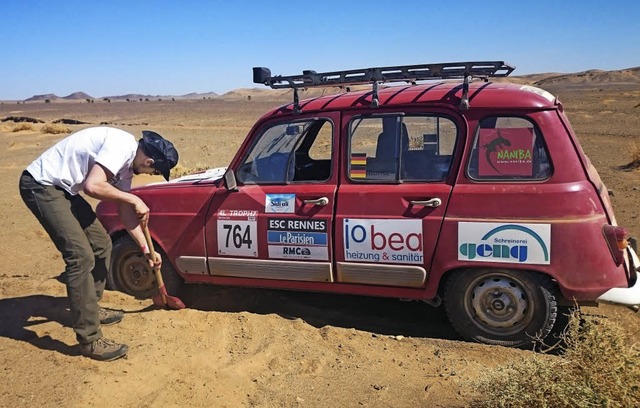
x: 508, y: 148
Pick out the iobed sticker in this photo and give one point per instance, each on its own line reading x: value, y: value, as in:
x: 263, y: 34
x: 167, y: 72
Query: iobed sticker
x: 383, y: 240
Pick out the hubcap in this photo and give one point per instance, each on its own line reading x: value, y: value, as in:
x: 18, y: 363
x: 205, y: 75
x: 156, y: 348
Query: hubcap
x: 500, y: 303
x: 134, y: 273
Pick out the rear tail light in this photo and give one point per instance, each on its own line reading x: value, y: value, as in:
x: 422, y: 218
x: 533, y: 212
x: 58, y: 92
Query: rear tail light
x: 616, y: 238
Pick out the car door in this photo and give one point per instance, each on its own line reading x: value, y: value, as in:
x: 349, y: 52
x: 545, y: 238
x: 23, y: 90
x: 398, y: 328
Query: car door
x: 393, y: 196
x: 278, y: 224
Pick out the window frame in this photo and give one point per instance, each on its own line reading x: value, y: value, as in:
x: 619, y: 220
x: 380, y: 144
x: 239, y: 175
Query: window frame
x: 398, y: 174
x: 288, y: 179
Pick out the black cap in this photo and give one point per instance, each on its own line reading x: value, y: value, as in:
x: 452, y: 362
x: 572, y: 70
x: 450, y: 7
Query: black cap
x: 162, y: 151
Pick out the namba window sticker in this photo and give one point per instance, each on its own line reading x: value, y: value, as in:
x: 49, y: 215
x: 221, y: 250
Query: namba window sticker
x: 506, y: 152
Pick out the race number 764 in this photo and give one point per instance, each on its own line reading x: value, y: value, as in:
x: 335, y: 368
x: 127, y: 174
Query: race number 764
x: 237, y: 237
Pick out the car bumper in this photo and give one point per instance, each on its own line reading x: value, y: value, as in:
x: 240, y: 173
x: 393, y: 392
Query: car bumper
x: 625, y: 296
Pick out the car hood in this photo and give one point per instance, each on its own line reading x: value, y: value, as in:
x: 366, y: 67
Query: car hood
x: 207, y: 176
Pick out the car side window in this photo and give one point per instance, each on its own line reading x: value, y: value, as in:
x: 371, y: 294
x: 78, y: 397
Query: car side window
x: 508, y: 148
x: 290, y: 152
x: 399, y: 148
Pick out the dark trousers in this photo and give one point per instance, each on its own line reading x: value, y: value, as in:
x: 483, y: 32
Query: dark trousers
x: 85, y: 247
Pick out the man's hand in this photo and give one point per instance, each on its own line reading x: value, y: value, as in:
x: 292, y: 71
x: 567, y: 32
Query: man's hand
x: 142, y: 211
x: 154, y: 264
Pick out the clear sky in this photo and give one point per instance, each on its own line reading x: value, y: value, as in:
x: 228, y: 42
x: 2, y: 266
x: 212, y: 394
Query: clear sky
x: 115, y: 47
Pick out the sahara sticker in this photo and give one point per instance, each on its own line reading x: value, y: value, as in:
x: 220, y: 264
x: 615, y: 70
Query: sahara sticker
x: 508, y: 243
x: 238, y: 238
x: 386, y: 241
x: 280, y: 203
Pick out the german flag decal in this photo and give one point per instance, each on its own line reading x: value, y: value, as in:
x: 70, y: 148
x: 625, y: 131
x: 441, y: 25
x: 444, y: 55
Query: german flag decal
x: 358, y: 166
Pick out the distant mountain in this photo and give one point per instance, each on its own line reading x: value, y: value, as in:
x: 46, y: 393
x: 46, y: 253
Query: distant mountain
x: 593, y: 79
x: 138, y: 97
x: 552, y: 81
x: 78, y: 95
x: 53, y: 97
x: 42, y: 97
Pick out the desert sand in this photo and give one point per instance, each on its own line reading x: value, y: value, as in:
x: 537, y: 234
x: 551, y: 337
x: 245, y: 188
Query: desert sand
x: 250, y: 347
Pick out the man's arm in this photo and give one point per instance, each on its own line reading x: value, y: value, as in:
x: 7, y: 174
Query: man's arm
x: 96, y: 185
x: 134, y: 213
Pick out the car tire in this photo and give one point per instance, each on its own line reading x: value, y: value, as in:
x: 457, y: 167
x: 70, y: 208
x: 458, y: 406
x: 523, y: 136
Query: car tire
x: 501, y: 306
x: 130, y: 272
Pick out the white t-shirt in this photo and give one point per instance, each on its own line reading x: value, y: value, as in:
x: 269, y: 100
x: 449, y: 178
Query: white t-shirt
x: 67, y: 163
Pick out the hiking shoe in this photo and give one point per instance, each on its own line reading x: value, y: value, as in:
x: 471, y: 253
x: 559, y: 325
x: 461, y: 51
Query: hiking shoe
x: 104, y: 350
x: 110, y: 316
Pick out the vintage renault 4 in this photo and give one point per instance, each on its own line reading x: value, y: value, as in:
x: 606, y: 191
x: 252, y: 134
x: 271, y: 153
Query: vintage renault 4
x: 435, y: 183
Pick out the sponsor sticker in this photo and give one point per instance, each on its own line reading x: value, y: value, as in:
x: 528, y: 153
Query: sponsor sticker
x: 290, y: 238
x: 237, y: 237
x: 508, y: 243
x: 383, y: 240
x: 296, y: 238
x: 358, y: 166
x: 506, y: 152
x: 248, y: 214
x: 280, y: 203
x: 298, y: 252
x: 293, y: 224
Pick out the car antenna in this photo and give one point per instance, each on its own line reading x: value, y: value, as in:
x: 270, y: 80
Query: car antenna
x: 375, y: 102
x: 464, y: 101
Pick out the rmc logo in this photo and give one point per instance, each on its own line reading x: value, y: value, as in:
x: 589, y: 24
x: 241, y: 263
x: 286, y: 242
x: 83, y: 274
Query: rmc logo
x: 504, y: 242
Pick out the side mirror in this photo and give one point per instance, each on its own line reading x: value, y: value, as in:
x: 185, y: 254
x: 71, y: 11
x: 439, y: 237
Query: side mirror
x: 293, y: 130
x: 230, y: 180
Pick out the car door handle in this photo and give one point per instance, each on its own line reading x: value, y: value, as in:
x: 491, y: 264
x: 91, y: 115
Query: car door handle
x: 322, y: 201
x: 432, y: 202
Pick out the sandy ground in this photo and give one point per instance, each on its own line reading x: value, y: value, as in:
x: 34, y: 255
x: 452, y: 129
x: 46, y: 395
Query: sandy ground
x: 249, y: 347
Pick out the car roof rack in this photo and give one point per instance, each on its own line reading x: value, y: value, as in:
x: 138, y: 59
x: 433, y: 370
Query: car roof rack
x: 377, y: 75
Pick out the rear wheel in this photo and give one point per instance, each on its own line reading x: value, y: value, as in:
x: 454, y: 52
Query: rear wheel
x: 501, y: 306
x: 130, y: 271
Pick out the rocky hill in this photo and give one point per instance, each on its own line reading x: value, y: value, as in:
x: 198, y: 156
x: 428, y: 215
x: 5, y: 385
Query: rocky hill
x: 597, y: 79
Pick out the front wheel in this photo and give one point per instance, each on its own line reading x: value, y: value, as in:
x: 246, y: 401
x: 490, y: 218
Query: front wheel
x: 130, y: 272
x: 501, y: 306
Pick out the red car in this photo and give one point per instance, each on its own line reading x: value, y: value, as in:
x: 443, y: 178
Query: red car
x: 474, y: 194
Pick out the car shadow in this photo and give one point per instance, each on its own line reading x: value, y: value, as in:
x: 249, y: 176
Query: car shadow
x: 372, y: 314
x: 381, y: 316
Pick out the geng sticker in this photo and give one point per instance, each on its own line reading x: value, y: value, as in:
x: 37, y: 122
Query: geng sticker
x: 507, y: 243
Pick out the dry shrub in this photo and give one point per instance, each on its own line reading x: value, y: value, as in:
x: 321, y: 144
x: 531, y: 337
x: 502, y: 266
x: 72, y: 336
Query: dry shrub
x: 22, y: 126
x: 598, y: 368
x: 55, y: 129
x: 180, y: 170
x: 635, y: 156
